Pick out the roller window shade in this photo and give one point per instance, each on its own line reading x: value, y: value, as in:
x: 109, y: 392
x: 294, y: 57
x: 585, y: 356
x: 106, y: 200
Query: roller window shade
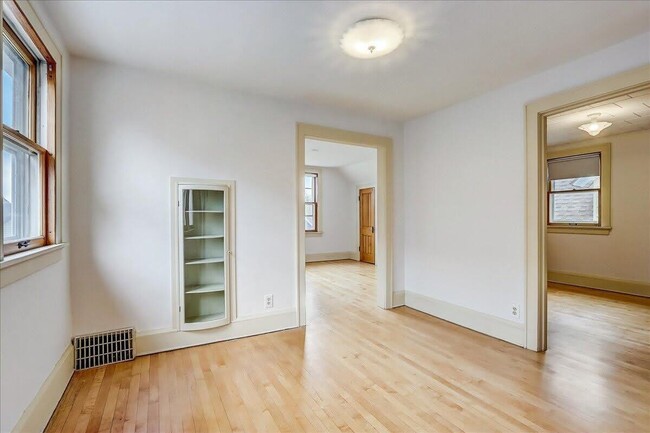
x: 574, y: 166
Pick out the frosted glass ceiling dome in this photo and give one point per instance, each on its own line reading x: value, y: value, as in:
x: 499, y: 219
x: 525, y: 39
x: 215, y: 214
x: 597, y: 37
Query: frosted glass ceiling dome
x: 371, y: 38
x: 594, y: 127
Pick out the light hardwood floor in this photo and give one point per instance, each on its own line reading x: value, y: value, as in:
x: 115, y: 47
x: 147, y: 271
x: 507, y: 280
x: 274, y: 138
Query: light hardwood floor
x: 357, y: 368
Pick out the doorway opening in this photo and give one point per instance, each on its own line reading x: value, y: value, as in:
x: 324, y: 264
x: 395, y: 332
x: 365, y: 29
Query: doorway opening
x: 597, y: 206
x: 340, y: 182
x: 344, y: 207
x: 574, y: 196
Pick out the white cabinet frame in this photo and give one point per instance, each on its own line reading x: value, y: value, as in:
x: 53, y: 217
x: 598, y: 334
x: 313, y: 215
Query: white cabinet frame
x: 177, y: 286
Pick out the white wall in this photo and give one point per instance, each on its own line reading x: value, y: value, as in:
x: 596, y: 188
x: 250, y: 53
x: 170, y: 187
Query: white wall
x: 35, y: 312
x: 34, y: 332
x: 464, y: 187
x: 363, y: 173
x: 625, y: 252
x: 337, y: 216
x: 133, y: 130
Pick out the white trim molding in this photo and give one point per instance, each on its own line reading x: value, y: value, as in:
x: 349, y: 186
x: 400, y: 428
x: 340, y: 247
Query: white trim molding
x: 506, y: 330
x: 148, y: 342
x: 399, y: 298
x: 637, y: 288
x: 326, y: 257
x: 21, y: 265
x: 38, y: 413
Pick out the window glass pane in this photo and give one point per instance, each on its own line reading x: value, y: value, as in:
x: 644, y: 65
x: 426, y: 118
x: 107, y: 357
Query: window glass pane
x: 310, y: 217
x: 15, y: 89
x: 309, y: 195
x: 309, y: 181
x: 310, y: 223
x: 577, y: 183
x: 574, y: 207
x: 21, y: 193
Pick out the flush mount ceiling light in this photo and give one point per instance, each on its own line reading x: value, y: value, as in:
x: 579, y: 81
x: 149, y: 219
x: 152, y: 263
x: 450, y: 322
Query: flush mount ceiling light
x: 594, y: 127
x: 371, y: 38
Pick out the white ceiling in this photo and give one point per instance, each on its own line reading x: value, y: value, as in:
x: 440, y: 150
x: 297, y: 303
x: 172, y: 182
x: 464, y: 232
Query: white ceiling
x: 327, y: 154
x: 626, y: 113
x: 290, y: 49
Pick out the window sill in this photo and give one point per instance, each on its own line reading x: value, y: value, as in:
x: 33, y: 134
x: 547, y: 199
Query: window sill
x: 18, y: 266
x: 579, y: 230
x: 313, y: 234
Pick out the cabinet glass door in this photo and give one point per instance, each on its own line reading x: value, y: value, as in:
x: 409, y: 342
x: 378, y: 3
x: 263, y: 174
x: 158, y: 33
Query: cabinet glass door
x: 204, y: 257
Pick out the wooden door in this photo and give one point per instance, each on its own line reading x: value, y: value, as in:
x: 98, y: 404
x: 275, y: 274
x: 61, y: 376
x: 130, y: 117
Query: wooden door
x: 367, y: 225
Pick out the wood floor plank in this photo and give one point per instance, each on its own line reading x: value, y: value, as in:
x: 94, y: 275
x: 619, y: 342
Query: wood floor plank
x: 122, y: 400
x: 153, y: 411
x: 100, y: 403
x: 86, y: 378
x: 358, y: 368
x: 62, y: 411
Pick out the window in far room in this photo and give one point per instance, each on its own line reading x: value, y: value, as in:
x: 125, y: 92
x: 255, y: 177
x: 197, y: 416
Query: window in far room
x: 578, y: 189
x: 574, y: 190
x: 311, y: 202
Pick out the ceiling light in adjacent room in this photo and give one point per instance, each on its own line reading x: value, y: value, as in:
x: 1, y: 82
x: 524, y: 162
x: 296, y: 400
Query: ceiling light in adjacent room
x: 371, y: 38
x: 594, y: 127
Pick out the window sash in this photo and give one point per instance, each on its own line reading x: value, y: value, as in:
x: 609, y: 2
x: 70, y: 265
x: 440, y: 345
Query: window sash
x: 45, y: 160
x: 14, y: 40
x: 549, y: 205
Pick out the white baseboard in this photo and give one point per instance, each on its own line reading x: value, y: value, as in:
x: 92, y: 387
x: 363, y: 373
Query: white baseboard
x: 326, y: 257
x: 637, y: 288
x: 171, y: 339
x: 40, y: 410
x: 512, y: 332
x: 399, y: 298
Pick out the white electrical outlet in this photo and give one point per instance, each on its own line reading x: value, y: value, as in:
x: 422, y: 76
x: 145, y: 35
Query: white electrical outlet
x: 516, y: 310
x: 268, y: 301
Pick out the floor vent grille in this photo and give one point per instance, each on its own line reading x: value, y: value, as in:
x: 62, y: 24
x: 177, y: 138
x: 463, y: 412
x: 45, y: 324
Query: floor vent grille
x: 95, y: 350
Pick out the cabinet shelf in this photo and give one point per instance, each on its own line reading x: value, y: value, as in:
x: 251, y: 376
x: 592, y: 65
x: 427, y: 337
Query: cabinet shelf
x: 205, y: 261
x: 204, y: 237
x: 208, y: 288
x: 205, y: 318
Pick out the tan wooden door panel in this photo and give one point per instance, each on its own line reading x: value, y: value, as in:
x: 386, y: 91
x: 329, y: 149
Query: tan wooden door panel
x: 367, y: 225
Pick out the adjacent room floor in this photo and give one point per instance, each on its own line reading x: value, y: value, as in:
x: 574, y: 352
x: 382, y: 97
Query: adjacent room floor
x: 358, y: 368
